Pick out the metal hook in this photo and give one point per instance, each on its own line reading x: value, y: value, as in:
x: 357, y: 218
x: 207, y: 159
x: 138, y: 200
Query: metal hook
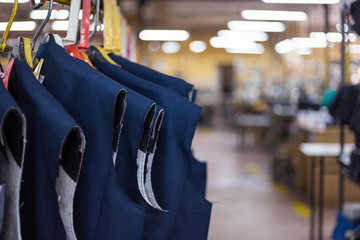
x: 38, y: 32
x: 37, y: 6
x: 96, y: 19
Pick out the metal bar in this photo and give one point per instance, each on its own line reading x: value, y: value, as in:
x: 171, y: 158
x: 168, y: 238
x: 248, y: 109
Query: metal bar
x: 341, y: 179
x: 312, y: 202
x: 321, y: 197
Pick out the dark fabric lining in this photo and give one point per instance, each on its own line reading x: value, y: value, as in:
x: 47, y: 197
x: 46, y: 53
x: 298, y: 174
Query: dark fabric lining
x: 71, y: 153
x: 13, y: 127
x: 146, y: 132
x: 120, y: 105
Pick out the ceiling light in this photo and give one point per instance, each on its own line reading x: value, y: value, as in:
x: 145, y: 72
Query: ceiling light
x: 285, y: 46
x: 12, y: 1
x: 302, y: 1
x: 170, y: 47
x: 338, y: 27
x: 19, y: 26
x: 248, y: 35
x: 197, y: 46
x: 257, y: 49
x: 41, y: 14
x: 354, y: 48
x: 164, y: 35
x: 256, y: 26
x: 60, y: 25
x: 62, y: 14
x: 274, y: 15
x: 352, y: 37
x: 80, y: 15
x: 301, y: 42
x: 303, y: 51
x: 229, y: 42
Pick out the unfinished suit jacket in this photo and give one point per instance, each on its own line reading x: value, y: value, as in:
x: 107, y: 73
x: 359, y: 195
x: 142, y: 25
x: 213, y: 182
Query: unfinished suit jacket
x: 52, y: 160
x: 180, y: 87
x: 173, y: 182
x: 12, y: 149
x: 102, y: 208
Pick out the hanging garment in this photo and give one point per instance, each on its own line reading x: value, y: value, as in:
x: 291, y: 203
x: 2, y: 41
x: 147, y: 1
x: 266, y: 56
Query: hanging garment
x: 175, y: 84
x: 130, y: 167
x: 52, y: 160
x: 171, y: 163
x: 102, y: 209
x: 12, y: 150
x: 179, y: 86
x: 134, y: 138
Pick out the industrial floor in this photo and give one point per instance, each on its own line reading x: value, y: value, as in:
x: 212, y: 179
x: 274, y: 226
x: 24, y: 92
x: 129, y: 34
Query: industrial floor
x: 247, y: 204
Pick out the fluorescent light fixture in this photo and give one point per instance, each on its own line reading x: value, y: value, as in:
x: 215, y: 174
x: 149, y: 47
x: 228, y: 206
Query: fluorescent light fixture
x: 338, y: 27
x: 19, y: 26
x: 245, y: 35
x: 229, y: 42
x: 303, y: 51
x: 302, y: 1
x: 170, y: 47
x: 256, y: 26
x: 352, y: 37
x: 164, y: 35
x: 285, y: 46
x: 41, y: 14
x: 354, y: 48
x: 80, y: 15
x: 60, y: 25
x: 274, y: 15
x: 333, y: 36
x: 62, y: 14
x: 12, y: 1
x: 301, y: 42
x: 197, y: 46
x: 257, y: 49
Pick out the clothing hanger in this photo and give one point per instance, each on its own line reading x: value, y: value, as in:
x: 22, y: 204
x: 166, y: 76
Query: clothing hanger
x: 73, y: 23
x: 22, y: 50
x: 38, y: 32
x: 5, y: 75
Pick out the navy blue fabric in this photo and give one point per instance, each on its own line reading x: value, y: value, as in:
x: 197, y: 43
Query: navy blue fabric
x: 175, y: 84
x: 171, y: 168
x: 130, y: 140
x: 102, y: 210
x: 47, y: 125
x: 199, y: 170
x: 12, y: 135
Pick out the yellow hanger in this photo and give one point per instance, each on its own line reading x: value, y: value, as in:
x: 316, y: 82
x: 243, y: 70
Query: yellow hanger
x: 117, y: 23
x: 108, y: 31
x: 7, y: 30
x: 104, y: 54
x: 22, y: 50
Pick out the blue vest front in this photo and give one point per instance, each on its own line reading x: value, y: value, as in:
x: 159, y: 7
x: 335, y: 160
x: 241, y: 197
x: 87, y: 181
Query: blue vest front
x: 172, y: 178
x: 53, y: 154
x: 102, y: 208
x: 12, y: 149
x: 179, y: 86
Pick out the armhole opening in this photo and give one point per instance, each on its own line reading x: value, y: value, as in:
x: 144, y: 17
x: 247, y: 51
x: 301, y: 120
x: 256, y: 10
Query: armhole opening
x: 14, y: 132
x: 72, y: 151
x: 120, y: 105
x: 146, y: 131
